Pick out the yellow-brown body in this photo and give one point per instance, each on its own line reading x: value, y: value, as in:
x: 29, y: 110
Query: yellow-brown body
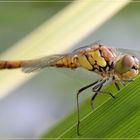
x: 97, y: 58
x: 94, y: 58
x: 11, y: 64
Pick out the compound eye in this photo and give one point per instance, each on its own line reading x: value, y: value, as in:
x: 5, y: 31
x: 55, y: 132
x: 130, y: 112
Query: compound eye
x: 136, y: 60
x: 128, y: 61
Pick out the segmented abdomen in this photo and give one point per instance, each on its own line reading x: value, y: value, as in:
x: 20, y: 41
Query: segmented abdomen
x: 67, y: 61
x: 11, y: 64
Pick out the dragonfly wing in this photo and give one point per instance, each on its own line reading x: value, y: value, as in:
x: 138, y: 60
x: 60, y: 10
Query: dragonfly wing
x: 80, y: 49
x: 129, y: 51
x: 85, y: 47
x: 38, y: 64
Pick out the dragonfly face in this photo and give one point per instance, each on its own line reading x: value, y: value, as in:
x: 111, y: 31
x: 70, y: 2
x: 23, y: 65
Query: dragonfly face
x: 127, y: 67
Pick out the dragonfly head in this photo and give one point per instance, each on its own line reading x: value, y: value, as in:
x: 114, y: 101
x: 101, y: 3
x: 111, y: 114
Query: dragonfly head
x: 127, y: 67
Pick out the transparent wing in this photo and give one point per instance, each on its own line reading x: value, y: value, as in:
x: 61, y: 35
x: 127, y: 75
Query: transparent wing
x: 129, y: 51
x: 38, y: 64
x: 85, y: 47
x: 80, y: 49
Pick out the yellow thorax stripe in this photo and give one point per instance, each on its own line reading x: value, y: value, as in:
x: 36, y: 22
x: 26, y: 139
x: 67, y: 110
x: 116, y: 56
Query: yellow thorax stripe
x: 98, y: 58
x: 84, y: 62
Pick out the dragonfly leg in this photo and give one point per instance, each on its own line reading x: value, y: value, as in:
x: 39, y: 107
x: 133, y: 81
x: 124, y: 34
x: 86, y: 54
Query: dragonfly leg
x: 130, y: 80
x: 93, y: 97
x: 78, y: 110
x: 117, y: 85
x: 97, y: 90
x: 123, y: 82
x: 104, y: 92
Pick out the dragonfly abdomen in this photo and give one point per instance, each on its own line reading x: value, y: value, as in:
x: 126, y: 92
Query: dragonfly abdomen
x: 67, y: 62
x: 11, y: 64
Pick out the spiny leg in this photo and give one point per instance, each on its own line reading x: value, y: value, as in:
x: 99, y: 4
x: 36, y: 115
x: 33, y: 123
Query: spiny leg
x: 123, y: 82
x: 97, y: 88
x: 117, y: 85
x: 104, y: 92
x: 95, y: 94
x: 78, y: 110
x: 130, y: 80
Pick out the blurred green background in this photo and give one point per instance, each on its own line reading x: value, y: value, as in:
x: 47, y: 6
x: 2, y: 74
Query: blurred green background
x: 42, y: 101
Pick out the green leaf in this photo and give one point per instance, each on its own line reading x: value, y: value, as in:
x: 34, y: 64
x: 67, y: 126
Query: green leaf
x: 119, y: 118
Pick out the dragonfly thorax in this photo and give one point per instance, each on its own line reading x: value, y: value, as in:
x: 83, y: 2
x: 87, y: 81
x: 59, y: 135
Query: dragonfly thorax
x: 97, y: 58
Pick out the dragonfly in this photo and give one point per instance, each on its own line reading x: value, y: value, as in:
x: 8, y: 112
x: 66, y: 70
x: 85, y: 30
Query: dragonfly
x: 118, y: 65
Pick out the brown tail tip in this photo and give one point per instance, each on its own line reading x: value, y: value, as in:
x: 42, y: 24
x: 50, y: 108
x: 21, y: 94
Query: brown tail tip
x: 11, y: 64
